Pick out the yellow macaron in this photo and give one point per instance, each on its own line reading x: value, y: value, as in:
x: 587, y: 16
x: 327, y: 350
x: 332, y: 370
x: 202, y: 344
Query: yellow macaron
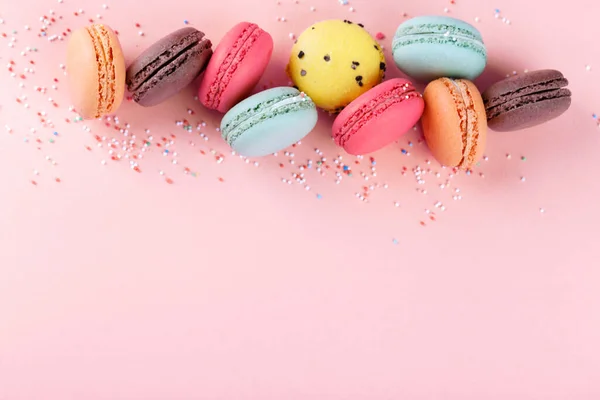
x: 334, y: 62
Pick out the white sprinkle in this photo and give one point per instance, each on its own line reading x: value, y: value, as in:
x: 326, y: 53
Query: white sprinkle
x: 351, y: 9
x: 292, y: 36
x: 446, y: 10
x: 477, y: 19
x: 313, y: 9
x: 104, y: 6
x: 542, y: 210
x: 588, y: 67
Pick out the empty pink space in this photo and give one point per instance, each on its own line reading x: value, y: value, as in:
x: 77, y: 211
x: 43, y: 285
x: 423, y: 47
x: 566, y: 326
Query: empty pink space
x: 190, y: 273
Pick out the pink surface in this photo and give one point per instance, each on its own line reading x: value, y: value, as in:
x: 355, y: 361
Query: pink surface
x: 237, y: 65
x: 218, y: 279
x: 378, y: 117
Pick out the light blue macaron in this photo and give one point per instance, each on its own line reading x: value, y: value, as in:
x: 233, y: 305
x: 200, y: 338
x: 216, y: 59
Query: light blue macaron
x: 430, y: 47
x: 269, y: 121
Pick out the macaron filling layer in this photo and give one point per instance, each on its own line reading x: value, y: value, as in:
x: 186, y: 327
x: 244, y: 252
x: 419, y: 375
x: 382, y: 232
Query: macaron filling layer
x: 230, y: 64
x: 167, y: 63
x: 395, y: 95
x: 261, y: 112
x: 466, y: 42
x: 465, y: 108
x: 106, y: 68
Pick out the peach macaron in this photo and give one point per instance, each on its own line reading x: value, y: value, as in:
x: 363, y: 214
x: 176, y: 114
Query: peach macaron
x: 454, y: 122
x: 96, y: 69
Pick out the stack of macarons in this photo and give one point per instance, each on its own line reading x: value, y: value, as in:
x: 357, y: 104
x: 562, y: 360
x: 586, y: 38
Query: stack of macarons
x: 335, y: 65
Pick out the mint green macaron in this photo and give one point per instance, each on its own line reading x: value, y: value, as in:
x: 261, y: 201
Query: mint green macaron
x: 269, y: 121
x: 431, y: 47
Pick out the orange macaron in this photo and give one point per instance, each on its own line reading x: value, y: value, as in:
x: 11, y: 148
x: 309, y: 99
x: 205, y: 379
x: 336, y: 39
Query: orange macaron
x: 454, y: 122
x: 96, y: 69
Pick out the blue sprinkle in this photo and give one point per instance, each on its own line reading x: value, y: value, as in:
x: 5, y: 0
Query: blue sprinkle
x: 185, y: 21
x: 309, y: 165
x: 594, y: 116
x: 395, y: 241
x: 166, y: 151
x: 404, y: 151
x: 497, y: 11
x: 55, y: 133
x: 344, y: 2
x: 373, y: 163
x: 43, y: 33
x: 346, y: 168
x: 468, y: 172
x: 319, y: 196
x: 410, y: 144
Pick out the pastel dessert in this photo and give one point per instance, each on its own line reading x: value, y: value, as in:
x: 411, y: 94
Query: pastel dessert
x: 269, y: 121
x: 454, y: 122
x: 430, y: 47
x: 238, y: 63
x: 96, y: 69
x: 378, y: 117
x: 527, y: 100
x: 334, y: 62
x: 168, y: 66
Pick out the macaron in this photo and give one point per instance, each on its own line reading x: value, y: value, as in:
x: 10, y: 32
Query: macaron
x: 378, y: 117
x: 523, y: 101
x: 334, y: 62
x: 454, y: 122
x: 269, y: 121
x: 238, y: 63
x: 96, y: 71
x: 430, y: 47
x: 168, y: 66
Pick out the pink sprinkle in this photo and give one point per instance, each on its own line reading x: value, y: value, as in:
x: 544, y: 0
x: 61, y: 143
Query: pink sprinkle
x: 379, y: 36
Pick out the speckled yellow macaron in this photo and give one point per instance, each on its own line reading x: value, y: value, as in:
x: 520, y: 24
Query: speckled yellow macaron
x: 334, y: 62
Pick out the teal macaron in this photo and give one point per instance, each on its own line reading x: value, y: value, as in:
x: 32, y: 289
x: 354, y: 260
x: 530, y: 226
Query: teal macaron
x: 269, y: 121
x: 431, y: 47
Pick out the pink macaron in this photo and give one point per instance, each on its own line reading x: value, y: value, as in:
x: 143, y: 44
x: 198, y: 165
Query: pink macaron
x: 378, y: 117
x: 236, y: 66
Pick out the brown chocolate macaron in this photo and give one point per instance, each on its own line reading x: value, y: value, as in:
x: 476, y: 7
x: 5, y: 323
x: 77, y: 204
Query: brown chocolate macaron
x: 168, y: 66
x: 527, y: 100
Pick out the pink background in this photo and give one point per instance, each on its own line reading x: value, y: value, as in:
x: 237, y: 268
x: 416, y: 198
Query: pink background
x: 229, y: 284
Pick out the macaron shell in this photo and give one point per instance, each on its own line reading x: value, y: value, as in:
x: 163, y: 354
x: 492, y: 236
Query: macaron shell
x: 379, y: 129
x: 86, y: 85
x: 426, y: 62
x: 82, y: 70
x: 246, y: 71
x: 530, y: 115
x: 334, y: 62
x: 441, y: 123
